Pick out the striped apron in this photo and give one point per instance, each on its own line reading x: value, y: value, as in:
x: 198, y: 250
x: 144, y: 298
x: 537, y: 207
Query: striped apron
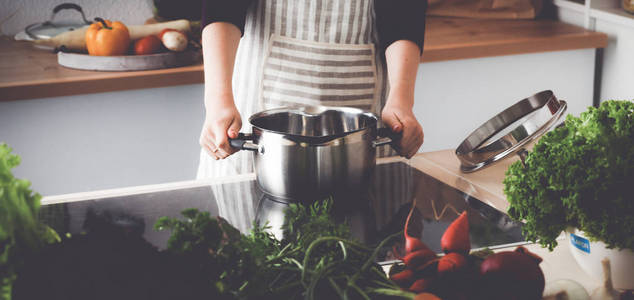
x: 294, y: 53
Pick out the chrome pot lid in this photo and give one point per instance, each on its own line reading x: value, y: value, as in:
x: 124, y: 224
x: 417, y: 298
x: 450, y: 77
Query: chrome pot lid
x: 510, y: 131
x: 51, y: 28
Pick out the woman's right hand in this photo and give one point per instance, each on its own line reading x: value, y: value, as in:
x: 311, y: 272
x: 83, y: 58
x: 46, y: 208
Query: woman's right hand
x: 222, y: 121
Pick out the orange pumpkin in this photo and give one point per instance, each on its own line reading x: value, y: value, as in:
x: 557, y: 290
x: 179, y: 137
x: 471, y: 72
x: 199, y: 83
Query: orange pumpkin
x: 106, y: 38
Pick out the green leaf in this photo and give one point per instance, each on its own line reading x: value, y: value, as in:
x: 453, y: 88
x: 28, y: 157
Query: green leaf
x: 579, y: 175
x: 21, y: 231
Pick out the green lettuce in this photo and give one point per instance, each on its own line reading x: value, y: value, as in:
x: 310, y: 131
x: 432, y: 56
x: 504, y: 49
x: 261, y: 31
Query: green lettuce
x: 579, y: 175
x: 20, y: 230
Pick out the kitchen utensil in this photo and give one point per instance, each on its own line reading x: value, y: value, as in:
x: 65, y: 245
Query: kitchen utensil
x: 128, y: 62
x: 510, y: 131
x: 313, y: 152
x: 51, y: 28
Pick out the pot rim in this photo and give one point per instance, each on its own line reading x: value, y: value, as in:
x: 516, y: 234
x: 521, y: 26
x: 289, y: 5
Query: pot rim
x: 313, y: 110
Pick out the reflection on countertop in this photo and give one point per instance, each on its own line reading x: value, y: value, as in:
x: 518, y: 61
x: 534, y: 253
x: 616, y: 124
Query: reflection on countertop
x: 372, y: 216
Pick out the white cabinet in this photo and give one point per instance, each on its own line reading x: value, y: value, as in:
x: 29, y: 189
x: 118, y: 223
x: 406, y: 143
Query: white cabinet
x: 607, y: 16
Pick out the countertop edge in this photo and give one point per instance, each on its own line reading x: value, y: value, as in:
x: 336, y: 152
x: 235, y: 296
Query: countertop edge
x: 115, y: 81
x: 529, y: 46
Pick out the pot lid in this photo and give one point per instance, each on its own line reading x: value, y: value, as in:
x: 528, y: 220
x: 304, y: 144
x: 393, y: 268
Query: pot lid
x: 51, y: 28
x: 510, y: 131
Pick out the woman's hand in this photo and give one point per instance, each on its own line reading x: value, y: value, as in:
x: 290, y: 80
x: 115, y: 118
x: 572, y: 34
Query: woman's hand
x: 222, y: 122
x: 401, y: 119
x: 403, y: 58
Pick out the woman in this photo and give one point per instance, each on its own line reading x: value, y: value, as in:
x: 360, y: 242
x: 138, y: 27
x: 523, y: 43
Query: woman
x: 306, y: 52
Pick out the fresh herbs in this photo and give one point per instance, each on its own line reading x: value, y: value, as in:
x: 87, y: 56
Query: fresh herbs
x: 579, y: 175
x: 206, y: 257
x: 317, y: 259
x: 20, y: 231
x: 229, y: 262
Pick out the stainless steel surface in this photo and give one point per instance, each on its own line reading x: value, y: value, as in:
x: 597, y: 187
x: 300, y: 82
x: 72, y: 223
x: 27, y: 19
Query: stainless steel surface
x: 510, y: 131
x: 313, y: 123
x: 313, y: 152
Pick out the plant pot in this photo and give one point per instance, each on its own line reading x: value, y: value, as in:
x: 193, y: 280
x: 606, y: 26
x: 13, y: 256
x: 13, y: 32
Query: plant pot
x: 589, y: 254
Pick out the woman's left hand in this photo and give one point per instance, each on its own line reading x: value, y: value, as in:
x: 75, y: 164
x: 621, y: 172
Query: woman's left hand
x: 402, y: 120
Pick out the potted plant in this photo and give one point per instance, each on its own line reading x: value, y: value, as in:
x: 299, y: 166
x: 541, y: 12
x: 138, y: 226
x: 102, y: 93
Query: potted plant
x: 580, y: 178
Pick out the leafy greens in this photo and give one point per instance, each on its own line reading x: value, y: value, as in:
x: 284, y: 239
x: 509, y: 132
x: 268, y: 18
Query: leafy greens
x: 579, y: 175
x: 316, y: 259
x: 20, y: 230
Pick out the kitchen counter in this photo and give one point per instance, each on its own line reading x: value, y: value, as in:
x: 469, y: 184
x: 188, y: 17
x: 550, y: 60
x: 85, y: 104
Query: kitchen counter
x: 485, y: 185
x: 27, y: 73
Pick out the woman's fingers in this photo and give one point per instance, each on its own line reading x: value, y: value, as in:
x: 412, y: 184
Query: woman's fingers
x: 208, y: 146
x: 392, y: 121
x: 412, y: 138
x: 220, y: 140
x: 234, y: 128
x: 215, y: 141
x: 401, y: 119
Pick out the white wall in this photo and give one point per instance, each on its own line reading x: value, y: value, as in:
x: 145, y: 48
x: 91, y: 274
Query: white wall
x: 455, y: 97
x: 108, y: 140
x: 573, y: 15
x: 128, y: 138
x: 617, y: 80
x: 618, y: 61
x: 15, y: 15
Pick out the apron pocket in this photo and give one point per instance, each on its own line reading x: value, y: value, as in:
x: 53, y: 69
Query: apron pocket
x: 303, y: 73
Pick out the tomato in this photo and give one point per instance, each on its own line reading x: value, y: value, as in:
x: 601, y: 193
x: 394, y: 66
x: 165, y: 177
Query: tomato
x: 147, y: 45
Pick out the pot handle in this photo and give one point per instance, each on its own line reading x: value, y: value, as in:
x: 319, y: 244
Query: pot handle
x: 244, y: 141
x: 385, y: 136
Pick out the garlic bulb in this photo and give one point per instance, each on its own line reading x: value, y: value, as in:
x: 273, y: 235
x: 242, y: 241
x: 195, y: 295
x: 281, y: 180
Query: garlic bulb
x: 174, y: 41
x: 607, y: 291
x: 565, y: 289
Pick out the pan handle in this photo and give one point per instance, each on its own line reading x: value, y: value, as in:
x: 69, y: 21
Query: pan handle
x: 385, y: 136
x: 244, y: 141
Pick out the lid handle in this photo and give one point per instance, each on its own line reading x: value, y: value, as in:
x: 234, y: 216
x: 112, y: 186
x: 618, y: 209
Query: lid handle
x: 72, y: 6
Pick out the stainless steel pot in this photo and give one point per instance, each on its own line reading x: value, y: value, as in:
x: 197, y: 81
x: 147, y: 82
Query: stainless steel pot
x: 312, y: 152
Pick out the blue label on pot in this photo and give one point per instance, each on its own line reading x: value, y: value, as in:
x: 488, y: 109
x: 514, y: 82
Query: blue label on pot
x: 580, y: 243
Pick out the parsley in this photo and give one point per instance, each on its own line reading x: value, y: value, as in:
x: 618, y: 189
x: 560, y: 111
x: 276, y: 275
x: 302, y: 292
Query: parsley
x: 317, y: 259
x: 579, y: 175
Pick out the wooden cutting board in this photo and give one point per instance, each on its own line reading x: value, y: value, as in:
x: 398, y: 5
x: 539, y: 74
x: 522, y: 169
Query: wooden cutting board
x: 128, y: 62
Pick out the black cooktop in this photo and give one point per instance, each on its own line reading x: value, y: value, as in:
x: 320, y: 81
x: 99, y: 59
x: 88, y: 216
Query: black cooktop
x: 372, y: 215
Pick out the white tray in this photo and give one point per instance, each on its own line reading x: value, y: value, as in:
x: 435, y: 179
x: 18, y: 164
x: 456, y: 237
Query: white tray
x: 128, y: 62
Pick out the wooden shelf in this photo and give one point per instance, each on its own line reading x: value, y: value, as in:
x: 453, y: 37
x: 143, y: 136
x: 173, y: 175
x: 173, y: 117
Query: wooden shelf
x: 28, y: 73
x: 456, y: 38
